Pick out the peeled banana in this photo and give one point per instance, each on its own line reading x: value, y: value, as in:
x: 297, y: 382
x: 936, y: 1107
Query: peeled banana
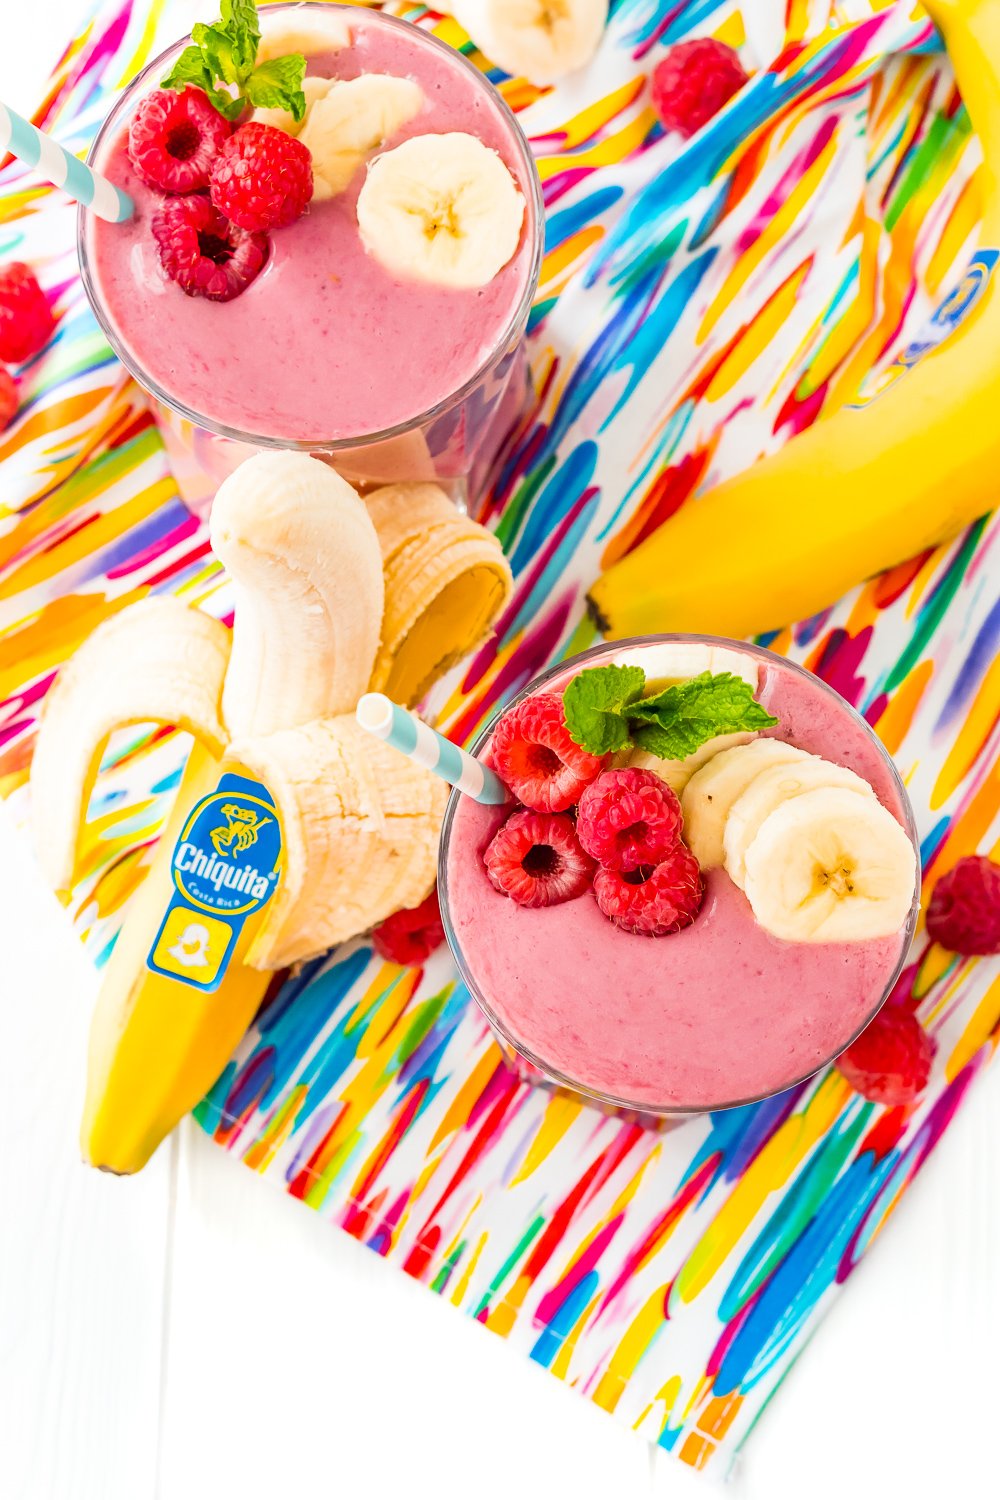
x: 304, y: 559
x: 446, y: 580
x: 441, y: 208
x: 319, y: 578
x: 869, y: 486
x: 155, y: 662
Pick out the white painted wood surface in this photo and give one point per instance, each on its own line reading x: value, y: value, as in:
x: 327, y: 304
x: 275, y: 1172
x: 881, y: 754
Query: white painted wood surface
x: 192, y: 1333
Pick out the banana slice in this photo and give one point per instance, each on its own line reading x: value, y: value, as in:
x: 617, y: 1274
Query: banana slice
x: 679, y: 661
x: 712, y: 790
x: 767, y: 791
x: 157, y: 662
x: 282, y: 33
x: 541, y: 40
x: 831, y: 866
x: 305, y: 563
x: 441, y: 208
x: 282, y: 119
x: 360, y: 824
x: 446, y: 580
x: 351, y: 121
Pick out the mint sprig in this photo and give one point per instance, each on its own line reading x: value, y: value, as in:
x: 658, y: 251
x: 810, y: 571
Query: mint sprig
x: 605, y: 712
x: 223, y: 57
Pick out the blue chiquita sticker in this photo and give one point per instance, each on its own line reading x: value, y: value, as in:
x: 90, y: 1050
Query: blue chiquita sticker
x: 225, y: 867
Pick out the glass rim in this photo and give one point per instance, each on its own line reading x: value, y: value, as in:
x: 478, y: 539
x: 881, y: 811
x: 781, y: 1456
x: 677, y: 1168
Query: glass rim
x: 512, y: 332
x: 566, y: 1081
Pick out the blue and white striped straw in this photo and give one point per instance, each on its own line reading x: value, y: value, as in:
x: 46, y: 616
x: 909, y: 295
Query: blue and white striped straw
x: 61, y: 167
x: 404, y: 731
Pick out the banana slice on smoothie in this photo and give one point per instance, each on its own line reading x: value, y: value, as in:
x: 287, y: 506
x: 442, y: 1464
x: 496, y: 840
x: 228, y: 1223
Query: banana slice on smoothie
x: 541, y: 40
x: 351, y: 121
x: 711, y: 792
x: 299, y: 32
x: 767, y: 792
x: 442, y: 209
x: 831, y: 866
x: 282, y: 119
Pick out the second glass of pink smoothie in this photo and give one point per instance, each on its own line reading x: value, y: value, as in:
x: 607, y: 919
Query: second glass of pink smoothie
x: 389, y: 378
x: 723, y: 1012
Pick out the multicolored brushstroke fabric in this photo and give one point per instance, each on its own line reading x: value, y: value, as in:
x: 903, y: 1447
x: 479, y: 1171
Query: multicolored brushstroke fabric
x: 699, y: 303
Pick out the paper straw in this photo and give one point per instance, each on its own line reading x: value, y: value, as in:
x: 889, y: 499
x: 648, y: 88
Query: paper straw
x: 60, y: 167
x: 405, y: 732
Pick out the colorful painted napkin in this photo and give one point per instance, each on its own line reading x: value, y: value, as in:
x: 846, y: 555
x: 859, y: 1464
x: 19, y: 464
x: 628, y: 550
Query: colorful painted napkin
x: 698, y: 305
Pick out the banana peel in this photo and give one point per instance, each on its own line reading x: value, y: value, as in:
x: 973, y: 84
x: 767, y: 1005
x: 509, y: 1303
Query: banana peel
x: 156, y: 1047
x: 446, y: 581
x: 156, y: 661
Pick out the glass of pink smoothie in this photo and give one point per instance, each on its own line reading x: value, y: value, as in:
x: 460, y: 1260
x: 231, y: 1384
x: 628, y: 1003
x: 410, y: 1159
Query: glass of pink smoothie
x: 327, y: 351
x: 719, y: 1014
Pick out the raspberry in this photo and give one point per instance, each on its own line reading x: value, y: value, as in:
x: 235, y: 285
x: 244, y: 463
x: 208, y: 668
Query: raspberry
x: 205, y: 254
x: 174, y: 137
x: 693, y: 81
x: 533, y: 752
x: 964, y: 910
x: 262, y: 178
x: 410, y: 937
x: 536, y: 860
x: 8, y: 398
x: 890, y: 1062
x: 654, y: 900
x: 26, y: 320
x: 628, y: 818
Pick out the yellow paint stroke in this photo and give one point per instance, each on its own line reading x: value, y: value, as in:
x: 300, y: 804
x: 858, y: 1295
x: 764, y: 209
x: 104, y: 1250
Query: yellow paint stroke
x: 980, y: 721
x: 770, y: 1170
x: 759, y: 333
x: 894, y: 723
x: 633, y: 1345
x: 583, y: 126
x: 962, y: 224
x: 763, y: 247
x: 560, y: 1365
x: 144, y: 46
x: 980, y: 1027
x: 560, y: 1114
x: 462, y: 1286
x: 267, y: 1145
x: 607, y: 152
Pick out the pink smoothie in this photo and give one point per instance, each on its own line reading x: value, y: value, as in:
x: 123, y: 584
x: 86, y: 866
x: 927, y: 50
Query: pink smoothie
x: 325, y: 345
x: 715, y: 1015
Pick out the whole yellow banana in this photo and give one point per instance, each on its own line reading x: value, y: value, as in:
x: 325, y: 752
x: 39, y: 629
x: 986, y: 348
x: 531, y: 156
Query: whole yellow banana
x: 870, y: 486
x: 157, y: 1045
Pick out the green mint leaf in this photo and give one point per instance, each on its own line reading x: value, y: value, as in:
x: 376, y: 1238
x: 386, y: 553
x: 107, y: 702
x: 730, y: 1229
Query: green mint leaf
x: 678, y: 721
x: 278, y: 85
x: 190, y: 67
x: 239, y: 22
x: 595, y: 705
x: 217, y: 49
